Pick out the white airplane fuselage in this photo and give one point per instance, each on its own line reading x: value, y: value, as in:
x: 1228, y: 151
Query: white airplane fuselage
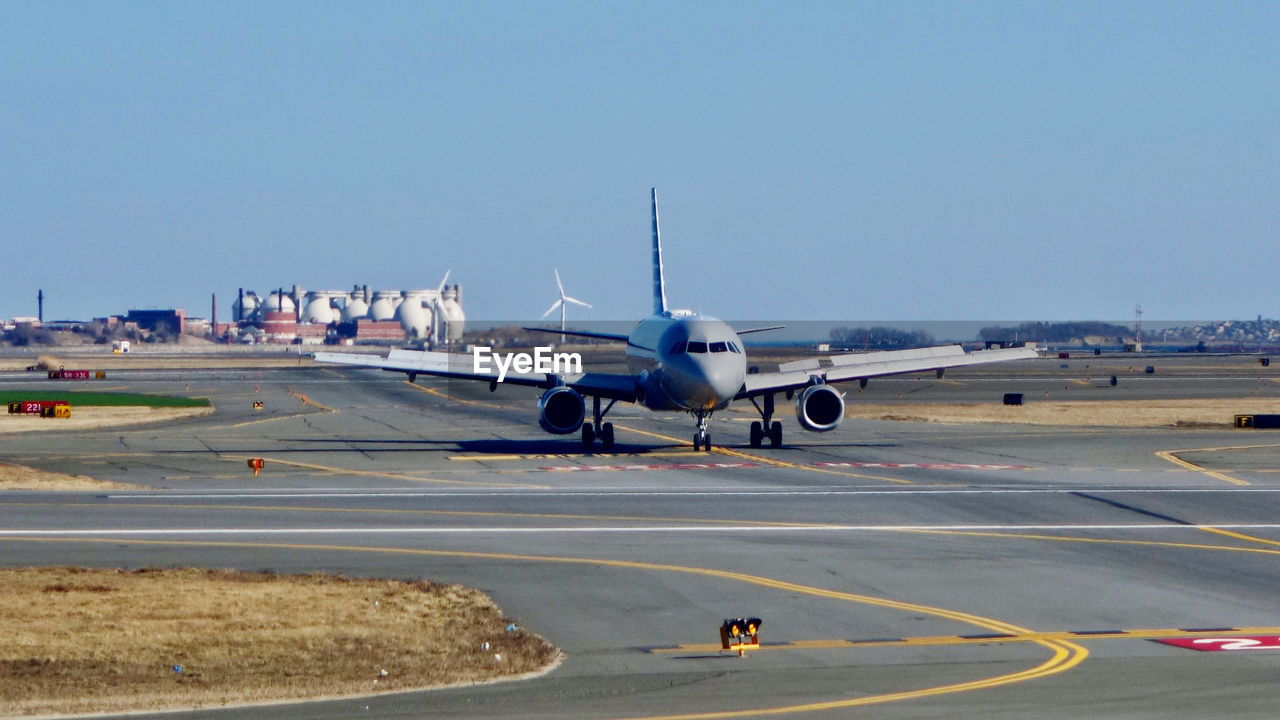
x: 686, y: 362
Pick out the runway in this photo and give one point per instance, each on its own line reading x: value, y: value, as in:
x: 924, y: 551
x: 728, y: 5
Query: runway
x: 902, y: 570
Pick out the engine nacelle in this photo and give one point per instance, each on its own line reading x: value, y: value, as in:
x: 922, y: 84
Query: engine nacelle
x: 820, y: 408
x: 561, y: 410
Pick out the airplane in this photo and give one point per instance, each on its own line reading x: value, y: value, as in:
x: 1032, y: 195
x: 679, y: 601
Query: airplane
x: 683, y: 361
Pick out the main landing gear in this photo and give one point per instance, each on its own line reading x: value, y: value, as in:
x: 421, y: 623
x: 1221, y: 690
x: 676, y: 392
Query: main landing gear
x: 702, y: 438
x: 597, y: 429
x: 758, y: 429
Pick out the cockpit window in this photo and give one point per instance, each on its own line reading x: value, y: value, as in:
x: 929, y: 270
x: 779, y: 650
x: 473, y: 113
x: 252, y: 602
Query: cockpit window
x: 719, y: 347
x: 733, y: 347
x: 678, y: 348
x: 697, y: 347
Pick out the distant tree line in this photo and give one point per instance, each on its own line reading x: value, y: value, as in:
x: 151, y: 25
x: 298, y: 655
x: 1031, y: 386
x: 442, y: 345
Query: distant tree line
x: 880, y: 338
x: 1053, y: 332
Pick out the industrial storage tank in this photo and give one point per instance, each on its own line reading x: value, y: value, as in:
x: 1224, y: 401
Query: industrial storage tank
x: 245, y: 307
x: 384, y: 305
x: 355, y: 309
x: 414, y: 313
x: 279, y: 301
x: 318, y: 308
x: 450, y: 308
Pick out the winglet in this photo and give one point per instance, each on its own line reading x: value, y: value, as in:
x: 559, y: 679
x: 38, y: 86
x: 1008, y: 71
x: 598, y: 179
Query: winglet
x: 659, y: 283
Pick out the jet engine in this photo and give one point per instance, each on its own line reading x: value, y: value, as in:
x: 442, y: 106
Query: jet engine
x: 820, y: 408
x: 561, y: 410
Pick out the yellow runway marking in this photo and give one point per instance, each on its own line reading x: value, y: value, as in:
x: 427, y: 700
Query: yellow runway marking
x: 262, y: 420
x: 770, y: 461
x: 308, y: 401
x: 1172, y: 456
x: 373, y: 473
x: 1066, y: 654
x: 450, y: 398
x: 1101, y: 541
x: 944, y: 640
x: 575, y: 456
x: 1241, y: 536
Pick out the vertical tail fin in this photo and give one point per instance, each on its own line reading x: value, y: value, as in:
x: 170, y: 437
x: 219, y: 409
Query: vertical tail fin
x: 659, y: 283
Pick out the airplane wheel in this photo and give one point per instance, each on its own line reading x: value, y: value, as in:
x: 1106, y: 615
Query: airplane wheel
x: 697, y: 442
x: 706, y: 442
x: 588, y: 436
x: 757, y: 434
x: 775, y: 434
x: 606, y: 437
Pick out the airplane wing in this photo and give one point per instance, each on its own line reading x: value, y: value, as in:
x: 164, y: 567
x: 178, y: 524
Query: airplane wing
x: 579, y: 333
x: 462, y: 367
x: 860, y: 366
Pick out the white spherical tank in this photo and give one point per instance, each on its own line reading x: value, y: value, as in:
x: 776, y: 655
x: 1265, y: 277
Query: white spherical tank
x: 355, y: 309
x: 414, y: 314
x: 246, y: 310
x: 318, y: 308
x: 278, y: 302
x: 451, y: 310
x: 384, y: 305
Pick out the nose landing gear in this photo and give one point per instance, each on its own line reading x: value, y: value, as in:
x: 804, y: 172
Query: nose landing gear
x: 702, y: 438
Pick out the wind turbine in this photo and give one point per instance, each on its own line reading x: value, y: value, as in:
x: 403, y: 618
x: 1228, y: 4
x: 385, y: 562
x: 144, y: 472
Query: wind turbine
x: 437, y: 313
x: 562, y: 303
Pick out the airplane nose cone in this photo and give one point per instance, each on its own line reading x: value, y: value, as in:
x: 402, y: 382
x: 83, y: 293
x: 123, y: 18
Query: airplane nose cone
x: 706, y: 383
x: 724, y: 382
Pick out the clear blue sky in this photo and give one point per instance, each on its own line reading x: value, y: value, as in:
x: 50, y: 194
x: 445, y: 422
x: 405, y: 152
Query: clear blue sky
x: 881, y: 160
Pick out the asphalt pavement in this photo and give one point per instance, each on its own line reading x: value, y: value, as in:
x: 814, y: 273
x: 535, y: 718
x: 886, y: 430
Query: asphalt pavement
x: 901, y: 569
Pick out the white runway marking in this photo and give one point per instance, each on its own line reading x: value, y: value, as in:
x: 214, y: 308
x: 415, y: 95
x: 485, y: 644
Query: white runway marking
x: 146, y: 532
x: 694, y: 492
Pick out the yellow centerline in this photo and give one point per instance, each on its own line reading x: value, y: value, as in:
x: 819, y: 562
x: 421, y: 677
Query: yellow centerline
x: 374, y: 473
x: 1066, y: 654
x: 1102, y: 541
x: 945, y: 640
x: 1172, y: 456
x: 450, y: 398
x: 578, y: 456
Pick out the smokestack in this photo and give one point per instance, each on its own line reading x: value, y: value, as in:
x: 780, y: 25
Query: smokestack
x: 40, y: 306
x: 239, y: 315
x: 213, y: 316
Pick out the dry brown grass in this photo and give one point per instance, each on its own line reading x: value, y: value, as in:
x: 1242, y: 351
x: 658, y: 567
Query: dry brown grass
x: 161, y: 361
x: 1103, y: 413
x: 19, y: 477
x: 77, y: 640
x: 88, y: 417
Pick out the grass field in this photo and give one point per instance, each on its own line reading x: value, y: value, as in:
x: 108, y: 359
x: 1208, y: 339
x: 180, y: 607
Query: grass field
x: 102, y: 399
x: 77, y: 640
x: 20, y: 477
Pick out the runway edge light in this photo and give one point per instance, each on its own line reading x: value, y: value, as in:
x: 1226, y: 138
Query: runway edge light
x: 255, y: 464
x: 740, y: 634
